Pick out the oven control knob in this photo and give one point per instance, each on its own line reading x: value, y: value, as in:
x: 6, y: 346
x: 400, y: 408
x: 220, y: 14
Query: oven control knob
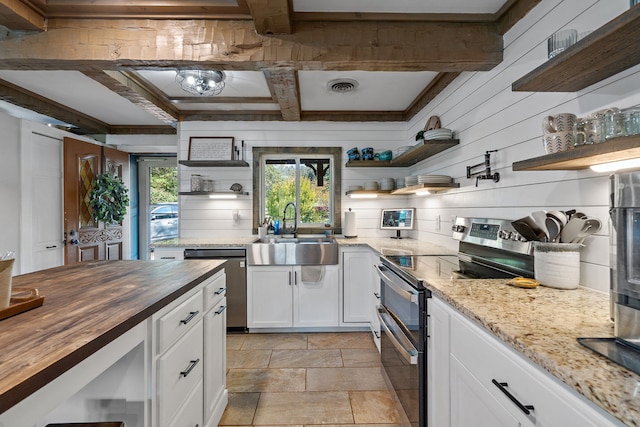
x: 504, y: 234
x: 458, y: 228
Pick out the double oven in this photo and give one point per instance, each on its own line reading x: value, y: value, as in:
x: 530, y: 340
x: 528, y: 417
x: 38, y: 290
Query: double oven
x: 488, y: 248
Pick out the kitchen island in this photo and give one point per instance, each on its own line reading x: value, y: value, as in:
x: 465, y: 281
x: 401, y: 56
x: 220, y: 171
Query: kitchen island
x: 87, y: 307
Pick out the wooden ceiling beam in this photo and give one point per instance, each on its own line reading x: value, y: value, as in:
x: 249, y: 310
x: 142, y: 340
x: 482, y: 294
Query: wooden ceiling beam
x: 285, y: 89
x: 221, y: 100
x: 437, y: 85
x: 136, y: 94
x: 234, y: 45
x: 142, y: 130
x: 512, y: 12
x: 21, y: 16
x: 271, y: 16
x: 34, y: 102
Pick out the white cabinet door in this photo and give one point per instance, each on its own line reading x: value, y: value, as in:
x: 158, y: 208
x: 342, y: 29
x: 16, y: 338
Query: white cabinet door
x: 438, y: 348
x: 269, y: 296
x: 357, y: 276
x: 215, y: 339
x: 472, y: 405
x: 316, y: 302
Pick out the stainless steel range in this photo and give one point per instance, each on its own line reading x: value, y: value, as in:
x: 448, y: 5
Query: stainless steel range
x: 488, y: 248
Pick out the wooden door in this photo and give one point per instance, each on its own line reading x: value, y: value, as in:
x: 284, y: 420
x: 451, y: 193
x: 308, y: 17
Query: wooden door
x: 85, y: 239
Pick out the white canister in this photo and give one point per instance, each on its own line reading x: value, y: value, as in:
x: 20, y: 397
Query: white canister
x: 262, y: 232
x: 350, y: 224
x: 557, y: 265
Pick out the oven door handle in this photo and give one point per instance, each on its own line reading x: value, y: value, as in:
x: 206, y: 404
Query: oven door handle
x: 409, y: 353
x: 409, y: 296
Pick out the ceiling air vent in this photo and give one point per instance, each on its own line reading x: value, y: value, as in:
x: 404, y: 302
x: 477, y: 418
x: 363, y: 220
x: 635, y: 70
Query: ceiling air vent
x: 342, y: 85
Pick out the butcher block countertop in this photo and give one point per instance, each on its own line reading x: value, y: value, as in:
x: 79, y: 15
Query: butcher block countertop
x: 86, y: 306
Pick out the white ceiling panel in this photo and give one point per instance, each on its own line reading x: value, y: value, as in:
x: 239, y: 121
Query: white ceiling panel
x: 377, y: 90
x: 399, y: 6
x: 81, y: 93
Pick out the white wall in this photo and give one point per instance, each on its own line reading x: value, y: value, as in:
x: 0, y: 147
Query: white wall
x: 484, y: 114
x: 487, y: 115
x: 10, y: 186
x: 201, y: 217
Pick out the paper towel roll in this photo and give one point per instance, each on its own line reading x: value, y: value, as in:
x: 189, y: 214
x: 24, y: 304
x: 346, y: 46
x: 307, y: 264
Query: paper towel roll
x: 350, y: 224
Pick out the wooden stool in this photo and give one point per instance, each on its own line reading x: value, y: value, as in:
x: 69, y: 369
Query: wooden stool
x: 105, y: 424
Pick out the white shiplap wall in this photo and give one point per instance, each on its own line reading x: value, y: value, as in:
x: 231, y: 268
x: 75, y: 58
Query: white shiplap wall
x: 485, y: 115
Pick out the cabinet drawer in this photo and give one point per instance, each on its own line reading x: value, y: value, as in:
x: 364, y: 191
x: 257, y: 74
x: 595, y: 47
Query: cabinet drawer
x: 215, y: 290
x: 190, y: 415
x: 176, y: 322
x: 179, y: 372
x: 491, y: 362
x: 168, y: 253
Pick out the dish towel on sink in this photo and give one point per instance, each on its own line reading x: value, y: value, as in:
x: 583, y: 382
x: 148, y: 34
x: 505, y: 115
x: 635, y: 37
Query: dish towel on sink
x: 312, y: 273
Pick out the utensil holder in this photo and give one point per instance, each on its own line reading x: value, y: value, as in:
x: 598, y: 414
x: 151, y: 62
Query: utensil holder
x: 6, y: 267
x: 557, y: 265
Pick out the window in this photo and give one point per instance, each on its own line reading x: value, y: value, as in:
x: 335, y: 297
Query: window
x: 307, y: 177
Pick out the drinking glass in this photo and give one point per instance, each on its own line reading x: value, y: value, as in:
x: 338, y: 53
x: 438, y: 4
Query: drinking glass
x: 561, y: 40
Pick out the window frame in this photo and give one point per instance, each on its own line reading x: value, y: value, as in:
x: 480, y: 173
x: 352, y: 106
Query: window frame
x: 260, y: 154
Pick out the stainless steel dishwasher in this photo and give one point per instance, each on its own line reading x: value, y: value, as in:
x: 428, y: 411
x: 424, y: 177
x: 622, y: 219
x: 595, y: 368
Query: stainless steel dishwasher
x: 236, y: 272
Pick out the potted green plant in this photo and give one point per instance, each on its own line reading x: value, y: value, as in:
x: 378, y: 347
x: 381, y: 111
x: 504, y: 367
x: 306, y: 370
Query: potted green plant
x: 420, y: 135
x: 108, y: 199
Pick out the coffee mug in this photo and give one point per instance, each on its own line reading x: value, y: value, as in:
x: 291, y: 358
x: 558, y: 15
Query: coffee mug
x: 558, y: 141
x: 367, y: 153
x: 562, y: 122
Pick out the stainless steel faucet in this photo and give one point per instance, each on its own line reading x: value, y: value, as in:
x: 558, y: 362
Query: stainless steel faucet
x: 294, y: 229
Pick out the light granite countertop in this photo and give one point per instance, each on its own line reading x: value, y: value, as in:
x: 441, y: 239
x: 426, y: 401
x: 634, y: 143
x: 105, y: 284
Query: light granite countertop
x: 541, y: 323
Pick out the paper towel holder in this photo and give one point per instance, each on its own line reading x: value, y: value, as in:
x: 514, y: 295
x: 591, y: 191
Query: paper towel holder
x: 349, y: 224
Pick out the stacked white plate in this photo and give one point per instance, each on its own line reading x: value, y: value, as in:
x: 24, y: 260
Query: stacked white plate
x: 387, y: 184
x: 355, y: 187
x: 438, y: 134
x: 434, y: 179
x: 411, y: 180
x: 402, y: 150
x: 399, y: 182
x: 372, y: 185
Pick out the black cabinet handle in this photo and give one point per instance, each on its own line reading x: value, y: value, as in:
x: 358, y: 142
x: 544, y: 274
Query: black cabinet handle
x: 221, y: 309
x: 219, y: 291
x: 192, y: 365
x: 189, y: 317
x: 502, y: 387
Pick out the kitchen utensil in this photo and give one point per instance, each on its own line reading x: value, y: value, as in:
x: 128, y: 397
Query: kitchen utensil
x: 571, y: 230
x: 559, y: 216
x: 553, y: 228
x: 525, y: 230
x: 540, y: 218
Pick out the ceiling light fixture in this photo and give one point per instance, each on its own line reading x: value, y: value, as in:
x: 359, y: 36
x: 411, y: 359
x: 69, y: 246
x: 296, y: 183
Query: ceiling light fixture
x: 614, y: 166
x: 202, y: 83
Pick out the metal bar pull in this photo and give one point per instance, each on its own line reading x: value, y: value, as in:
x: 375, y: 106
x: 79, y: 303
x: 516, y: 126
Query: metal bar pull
x: 190, y: 317
x: 219, y: 291
x: 221, y: 309
x: 409, y: 296
x: 192, y: 364
x: 503, y: 388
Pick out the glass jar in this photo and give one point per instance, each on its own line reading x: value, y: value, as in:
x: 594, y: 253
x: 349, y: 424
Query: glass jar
x: 207, y: 186
x: 196, y: 182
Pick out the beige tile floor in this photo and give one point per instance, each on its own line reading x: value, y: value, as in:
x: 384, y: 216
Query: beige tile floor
x: 329, y: 379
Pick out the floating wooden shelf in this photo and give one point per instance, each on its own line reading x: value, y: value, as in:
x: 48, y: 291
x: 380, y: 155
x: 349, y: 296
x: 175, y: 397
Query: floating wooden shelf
x: 584, y: 156
x: 419, y: 152
x: 605, y: 52
x: 214, y: 163
x: 412, y: 189
x: 208, y: 193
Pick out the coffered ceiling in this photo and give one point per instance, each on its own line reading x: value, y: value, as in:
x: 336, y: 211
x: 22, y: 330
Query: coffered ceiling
x: 109, y: 66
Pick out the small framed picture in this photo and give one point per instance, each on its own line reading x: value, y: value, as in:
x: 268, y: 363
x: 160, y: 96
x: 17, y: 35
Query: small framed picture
x: 211, y: 148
